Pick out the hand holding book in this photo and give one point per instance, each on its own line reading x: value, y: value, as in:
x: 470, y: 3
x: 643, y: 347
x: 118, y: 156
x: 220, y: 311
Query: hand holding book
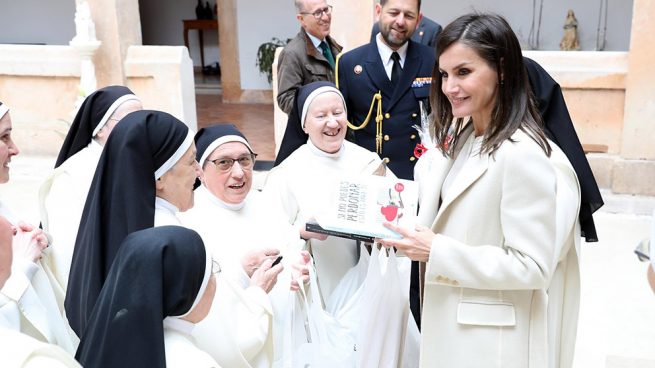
x: 415, y: 244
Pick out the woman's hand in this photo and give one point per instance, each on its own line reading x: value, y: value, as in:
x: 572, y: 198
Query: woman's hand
x: 415, y: 244
x: 266, y: 276
x: 300, y: 270
x: 28, y: 244
x: 254, y: 259
x: 311, y: 235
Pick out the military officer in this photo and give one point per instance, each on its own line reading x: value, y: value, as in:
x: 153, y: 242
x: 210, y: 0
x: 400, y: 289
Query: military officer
x: 382, y: 83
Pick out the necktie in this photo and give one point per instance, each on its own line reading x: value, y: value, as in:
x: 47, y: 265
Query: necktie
x: 327, y: 52
x: 396, y: 70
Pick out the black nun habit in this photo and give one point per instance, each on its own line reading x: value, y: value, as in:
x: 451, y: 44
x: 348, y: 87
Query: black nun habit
x: 91, y: 117
x: 208, y: 139
x: 121, y: 200
x: 559, y: 128
x: 294, y: 135
x: 3, y: 110
x: 158, y: 272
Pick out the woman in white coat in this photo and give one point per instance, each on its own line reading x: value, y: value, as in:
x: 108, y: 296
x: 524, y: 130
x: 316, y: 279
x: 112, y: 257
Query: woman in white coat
x: 494, y: 232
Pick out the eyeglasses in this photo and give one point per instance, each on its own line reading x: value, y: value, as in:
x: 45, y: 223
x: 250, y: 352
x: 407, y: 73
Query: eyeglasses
x: 226, y: 163
x: 319, y: 13
x: 643, y: 250
x: 216, y: 267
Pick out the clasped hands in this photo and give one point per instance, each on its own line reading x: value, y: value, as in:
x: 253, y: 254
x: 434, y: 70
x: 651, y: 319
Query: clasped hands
x: 28, y: 242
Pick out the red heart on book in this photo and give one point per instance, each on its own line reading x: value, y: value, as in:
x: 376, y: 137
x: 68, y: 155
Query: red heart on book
x: 389, y: 212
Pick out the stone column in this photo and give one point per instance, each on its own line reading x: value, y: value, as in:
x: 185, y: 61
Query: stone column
x: 229, y: 43
x: 639, y: 117
x: 86, y: 43
x: 118, y: 26
x: 352, y: 22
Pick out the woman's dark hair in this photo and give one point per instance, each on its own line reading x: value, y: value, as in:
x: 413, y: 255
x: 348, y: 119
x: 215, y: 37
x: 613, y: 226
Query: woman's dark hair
x: 494, y: 41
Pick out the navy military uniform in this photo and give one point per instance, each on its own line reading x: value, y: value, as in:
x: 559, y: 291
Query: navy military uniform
x: 370, y: 95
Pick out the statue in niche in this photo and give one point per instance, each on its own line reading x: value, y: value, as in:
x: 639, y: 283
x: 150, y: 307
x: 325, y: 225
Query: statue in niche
x: 200, y: 11
x: 570, y: 39
x: 208, y: 11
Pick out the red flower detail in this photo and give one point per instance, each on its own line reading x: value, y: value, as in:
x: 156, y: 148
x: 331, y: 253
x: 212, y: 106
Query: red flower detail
x: 419, y: 150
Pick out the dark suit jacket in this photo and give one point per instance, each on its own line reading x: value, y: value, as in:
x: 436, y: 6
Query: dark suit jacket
x: 361, y: 75
x: 426, y: 33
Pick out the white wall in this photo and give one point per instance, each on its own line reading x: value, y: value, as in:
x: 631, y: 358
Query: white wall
x: 519, y: 14
x: 161, y: 24
x: 259, y: 21
x: 50, y: 22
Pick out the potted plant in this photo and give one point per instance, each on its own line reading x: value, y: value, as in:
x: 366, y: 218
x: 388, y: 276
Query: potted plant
x: 266, y: 54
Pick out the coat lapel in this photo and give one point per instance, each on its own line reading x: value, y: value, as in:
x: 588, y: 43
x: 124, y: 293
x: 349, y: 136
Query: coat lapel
x: 473, y: 169
x: 376, y: 71
x: 430, y: 184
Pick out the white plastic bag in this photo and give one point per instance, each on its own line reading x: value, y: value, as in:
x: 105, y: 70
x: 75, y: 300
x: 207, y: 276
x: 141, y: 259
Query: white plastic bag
x: 328, y: 343
x: 383, y: 327
x: 346, y: 303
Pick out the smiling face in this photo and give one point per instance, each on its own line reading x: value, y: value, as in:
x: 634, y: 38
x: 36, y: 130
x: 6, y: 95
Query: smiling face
x: 325, y: 122
x: 469, y: 83
x: 176, y: 185
x: 319, y: 28
x: 230, y: 186
x: 8, y: 148
x: 398, y: 20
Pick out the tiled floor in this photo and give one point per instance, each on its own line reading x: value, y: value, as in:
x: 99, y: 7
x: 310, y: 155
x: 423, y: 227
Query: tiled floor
x: 255, y: 121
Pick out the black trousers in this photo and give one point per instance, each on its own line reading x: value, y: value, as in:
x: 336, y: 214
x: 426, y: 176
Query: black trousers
x: 414, y: 294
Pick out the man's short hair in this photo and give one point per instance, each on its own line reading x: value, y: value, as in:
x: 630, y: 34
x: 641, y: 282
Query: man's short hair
x: 382, y: 3
x: 299, y: 5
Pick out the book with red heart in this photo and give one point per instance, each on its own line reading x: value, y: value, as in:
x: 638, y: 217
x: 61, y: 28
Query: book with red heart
x: 360, y: 205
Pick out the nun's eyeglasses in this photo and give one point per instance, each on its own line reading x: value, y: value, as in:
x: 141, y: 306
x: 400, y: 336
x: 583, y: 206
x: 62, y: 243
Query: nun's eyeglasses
x: 247, y: 162
x: 643, y: 251
x: 216, y: 267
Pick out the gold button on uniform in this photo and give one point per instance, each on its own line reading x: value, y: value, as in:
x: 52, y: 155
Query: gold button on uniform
x: 413, y: 136
x: 412, y: 158
x: 414, y: 116
x: 387, y: 116
x: 385, y: 160
x: 386, y: 137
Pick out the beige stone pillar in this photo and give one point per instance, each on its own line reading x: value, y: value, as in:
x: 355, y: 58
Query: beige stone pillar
x: 118, y: 26
x: 228, y: 41
x: 352, y: 22
x: 639, y: 121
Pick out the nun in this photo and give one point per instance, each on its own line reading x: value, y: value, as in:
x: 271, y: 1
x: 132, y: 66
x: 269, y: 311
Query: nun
x: 63, y: 193
x: 161, y: 284
x: 295, y: 186
x: 25, y: 351
x: 144, y: 177
x: 28, y: 295
x: 239, y: 229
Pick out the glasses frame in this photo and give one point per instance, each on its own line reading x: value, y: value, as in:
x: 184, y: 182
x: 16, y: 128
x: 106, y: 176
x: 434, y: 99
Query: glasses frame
x: 643, y: 251
x: 318, y: 14
x: 216, y: 267
x: 253, y: 157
